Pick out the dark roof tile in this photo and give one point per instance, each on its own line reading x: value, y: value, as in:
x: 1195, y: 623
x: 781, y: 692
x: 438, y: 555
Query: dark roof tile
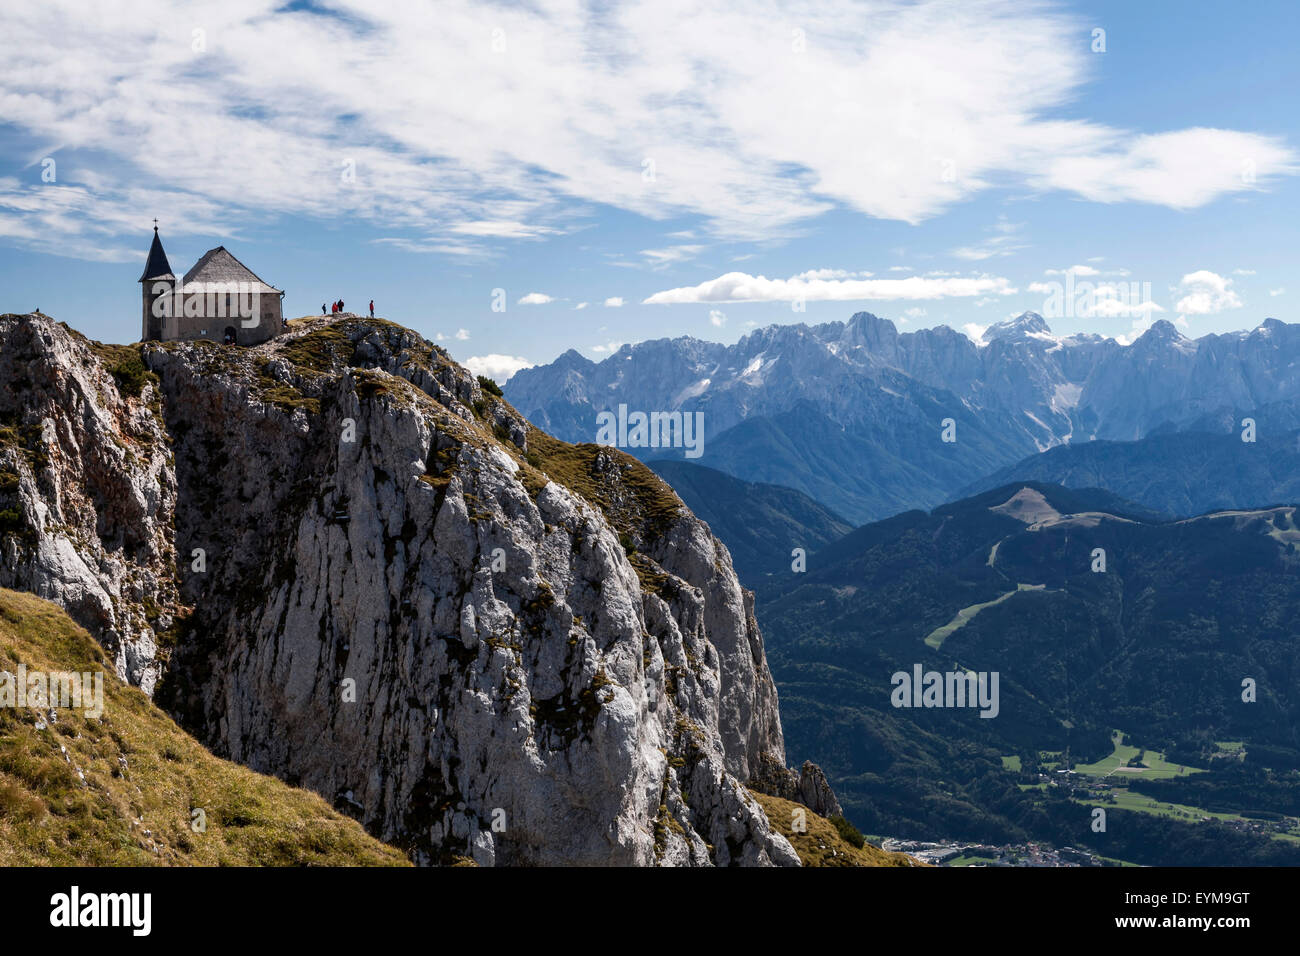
x: 157, y: 266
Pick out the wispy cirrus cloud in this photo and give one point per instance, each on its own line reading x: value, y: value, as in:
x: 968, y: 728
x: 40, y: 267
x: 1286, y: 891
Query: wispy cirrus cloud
x: 671, y: 255
x: 530, y: 115
x: 1004, y: 241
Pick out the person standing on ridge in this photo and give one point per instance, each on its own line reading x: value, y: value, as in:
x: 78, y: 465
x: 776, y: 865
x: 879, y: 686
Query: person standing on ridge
x: 372, y: 308
x: 322, y: 308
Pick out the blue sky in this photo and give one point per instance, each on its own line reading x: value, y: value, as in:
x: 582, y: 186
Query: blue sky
x: 929, y: 162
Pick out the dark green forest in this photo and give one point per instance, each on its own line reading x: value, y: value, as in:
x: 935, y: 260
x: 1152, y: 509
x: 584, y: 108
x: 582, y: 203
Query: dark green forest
x: 1156, y: 645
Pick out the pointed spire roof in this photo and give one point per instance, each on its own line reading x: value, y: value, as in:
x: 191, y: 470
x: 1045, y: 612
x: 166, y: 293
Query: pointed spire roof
x: 157, y: 266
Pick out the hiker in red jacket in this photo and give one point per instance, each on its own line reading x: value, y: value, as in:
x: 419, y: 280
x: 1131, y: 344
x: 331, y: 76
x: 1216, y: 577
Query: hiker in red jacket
x: 372, y: 308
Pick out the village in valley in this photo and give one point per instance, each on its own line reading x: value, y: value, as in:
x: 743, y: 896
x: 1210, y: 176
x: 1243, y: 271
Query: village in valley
x: 1099, y: 786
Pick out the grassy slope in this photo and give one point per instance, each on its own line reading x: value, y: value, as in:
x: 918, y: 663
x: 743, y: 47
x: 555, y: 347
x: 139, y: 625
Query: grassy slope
x: 822, y: 845
x: 143, y: 777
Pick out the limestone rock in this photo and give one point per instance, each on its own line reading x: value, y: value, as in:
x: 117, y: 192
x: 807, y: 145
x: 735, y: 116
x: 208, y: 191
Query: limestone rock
x: 809, y: 786
x: 87, y: 491
x: 389, y: 588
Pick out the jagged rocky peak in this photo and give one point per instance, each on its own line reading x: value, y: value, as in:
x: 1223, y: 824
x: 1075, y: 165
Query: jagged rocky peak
x: 1020, y: 327
x: 872, y: 333
x: 1163, y: 329
x: 358, y: 568
x: 572, y: 358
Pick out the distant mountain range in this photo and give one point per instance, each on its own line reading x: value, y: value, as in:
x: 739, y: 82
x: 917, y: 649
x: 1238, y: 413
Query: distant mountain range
x: 760, y: 524
x: 1179, y: 474
x: 1155, y: 644
x: 851, y: 413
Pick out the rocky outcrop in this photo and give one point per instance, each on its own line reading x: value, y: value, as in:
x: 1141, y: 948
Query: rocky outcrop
x: 87, y: 490
x: 479, y: 641
x: 809, y: 786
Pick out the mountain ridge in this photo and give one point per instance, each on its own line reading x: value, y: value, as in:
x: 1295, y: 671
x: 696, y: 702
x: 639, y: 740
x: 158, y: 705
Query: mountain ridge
x: 760, y: 524
x: 874, y: 400
x: 1178, y: 473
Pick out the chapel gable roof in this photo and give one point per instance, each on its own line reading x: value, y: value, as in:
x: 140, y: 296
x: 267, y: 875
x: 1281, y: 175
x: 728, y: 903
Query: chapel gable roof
x: 218, y: 265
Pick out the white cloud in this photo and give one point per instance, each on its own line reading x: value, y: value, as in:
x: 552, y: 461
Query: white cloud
x: 360, y: 111
x: 1243, y: 272
x: 1110, y: 302
x: 973, y: 253
x: 1004, y: 242
x: 741, y: 287
x: 535, y: 298
x: 496, y: 367
x: 608, y: 347
x: 1204, y: 293
x: 1074, y: 270
x: 462, y: 335
x: 670, y: 255
x: 832, y: 274
x: 435, y: 246
x: 581, y: 305
x: 1183, y: 169
x: 717, y: 318
x: 1276, y: 292
x: 614, y: 302
x: 975, y: 332
x: 501, y: 229
x: 1086, y: 299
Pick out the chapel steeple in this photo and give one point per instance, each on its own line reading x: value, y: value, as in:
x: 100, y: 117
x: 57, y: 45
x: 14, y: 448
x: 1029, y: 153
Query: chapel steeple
x: 157, y: 266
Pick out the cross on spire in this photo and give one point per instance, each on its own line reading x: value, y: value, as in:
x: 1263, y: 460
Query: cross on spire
x: 155, y: 225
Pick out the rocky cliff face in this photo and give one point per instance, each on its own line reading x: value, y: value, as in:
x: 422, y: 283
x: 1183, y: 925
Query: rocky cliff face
x: 361, y: 571
x: 87, y: 489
